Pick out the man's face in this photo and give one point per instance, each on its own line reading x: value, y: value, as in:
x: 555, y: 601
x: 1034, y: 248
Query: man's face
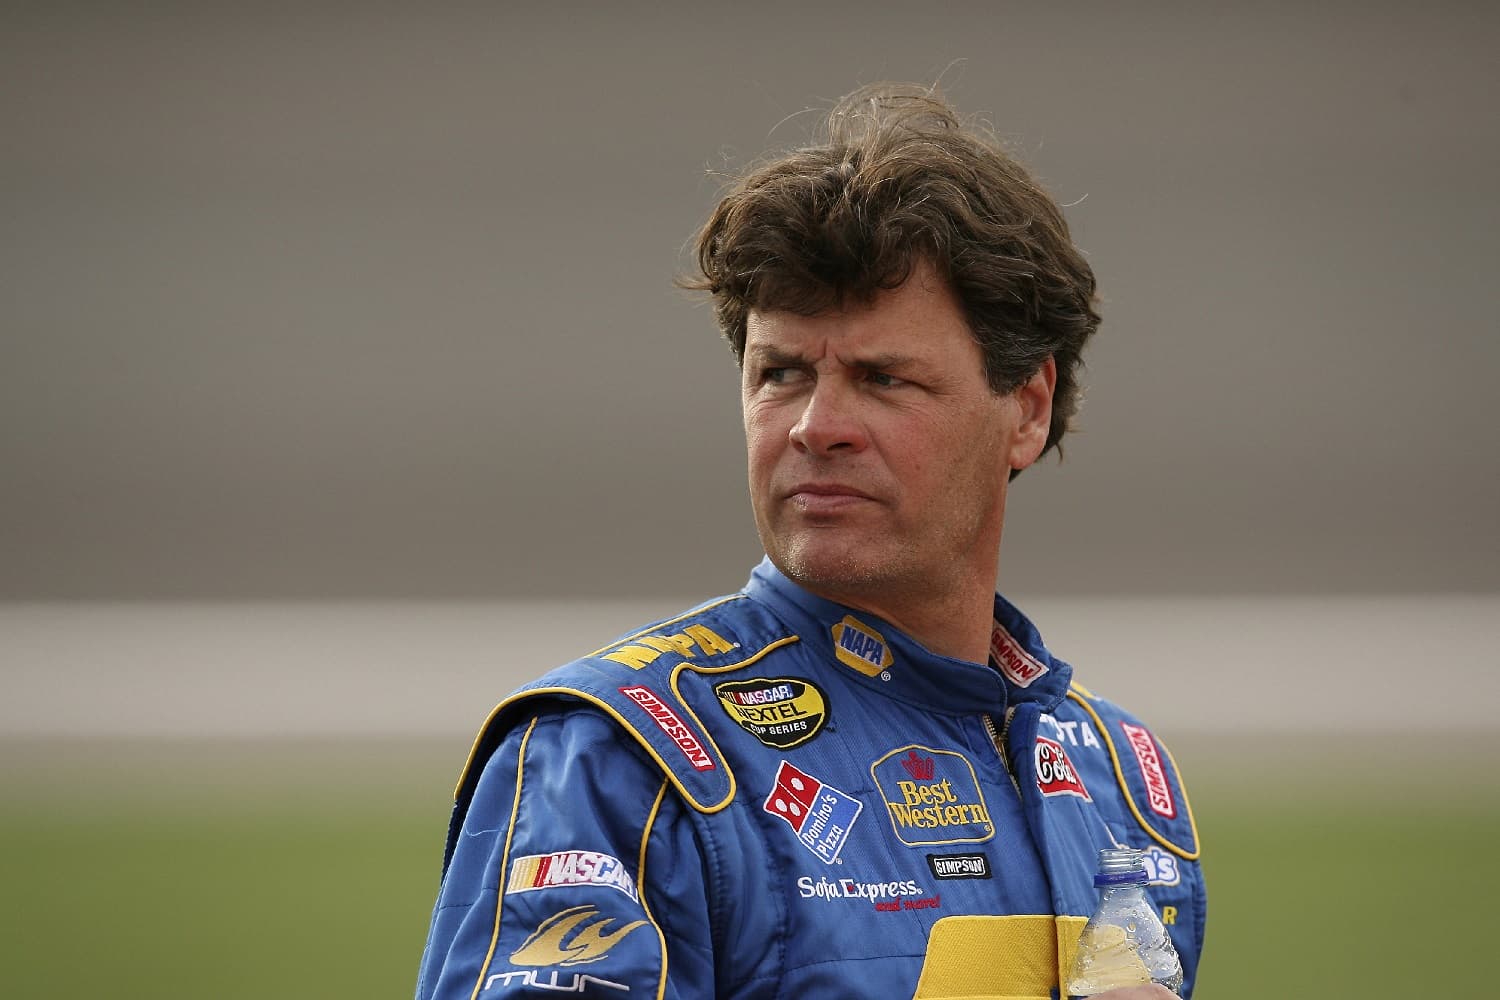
x: 878, y: 454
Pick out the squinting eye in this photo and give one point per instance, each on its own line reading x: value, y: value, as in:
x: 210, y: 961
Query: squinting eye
x: 884, y: 379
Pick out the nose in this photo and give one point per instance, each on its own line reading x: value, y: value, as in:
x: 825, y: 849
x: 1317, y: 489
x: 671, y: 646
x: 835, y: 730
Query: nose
x: 830, y: 421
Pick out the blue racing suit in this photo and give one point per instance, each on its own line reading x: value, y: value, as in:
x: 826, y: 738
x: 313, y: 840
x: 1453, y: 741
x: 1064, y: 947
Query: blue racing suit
x: 777, y: 796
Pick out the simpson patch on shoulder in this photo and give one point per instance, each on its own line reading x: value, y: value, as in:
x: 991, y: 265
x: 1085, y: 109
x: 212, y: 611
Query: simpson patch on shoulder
x: 1019, y: 666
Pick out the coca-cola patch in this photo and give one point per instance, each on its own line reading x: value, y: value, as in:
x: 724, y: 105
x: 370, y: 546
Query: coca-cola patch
x: 1054, y: 771
x: 1011, y: 657
x: 1158, y: 792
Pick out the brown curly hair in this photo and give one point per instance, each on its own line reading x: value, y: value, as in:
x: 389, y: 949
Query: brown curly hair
x: 897, y: 178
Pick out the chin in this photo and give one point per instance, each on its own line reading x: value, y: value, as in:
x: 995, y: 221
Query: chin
x: 832, y: 568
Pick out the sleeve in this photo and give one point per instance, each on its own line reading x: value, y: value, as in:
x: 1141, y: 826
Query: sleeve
x: 576, y: 869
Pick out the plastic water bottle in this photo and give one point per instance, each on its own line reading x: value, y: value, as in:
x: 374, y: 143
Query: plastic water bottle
x: 1124, y: 942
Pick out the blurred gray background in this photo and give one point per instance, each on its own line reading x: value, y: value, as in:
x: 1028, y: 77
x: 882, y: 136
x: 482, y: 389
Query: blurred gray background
x: 345, y: 316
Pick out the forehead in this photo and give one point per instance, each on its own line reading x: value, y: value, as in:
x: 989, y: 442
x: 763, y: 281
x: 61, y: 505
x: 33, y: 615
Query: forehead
x: 921, y: 318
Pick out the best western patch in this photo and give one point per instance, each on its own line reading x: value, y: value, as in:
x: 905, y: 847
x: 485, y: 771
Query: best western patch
x: 932, y: 796
x: 859, y: 646
x: 781, y: 712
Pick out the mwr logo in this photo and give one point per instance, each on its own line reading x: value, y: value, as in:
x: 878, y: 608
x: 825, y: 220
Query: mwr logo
x: 820, y: 814
x: 932, y: 796
x: 574, y: 936
x: 1158, y: 792
x: 780, y: 711
x: 959, y: 865
x: 547, y: 871
x: 1011, y: 657
x: 1054, y: 771
x: 1161, y: 867
x: 677, y: 731
x: 859, y: 646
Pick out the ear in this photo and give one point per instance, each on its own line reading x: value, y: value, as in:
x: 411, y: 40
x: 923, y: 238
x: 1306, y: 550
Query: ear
x: 1034, y: 415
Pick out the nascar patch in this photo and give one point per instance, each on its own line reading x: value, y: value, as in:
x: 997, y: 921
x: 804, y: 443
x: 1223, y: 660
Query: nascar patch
x: 932, y: 796
x: 1055, y: 774
x: 820, y: 814
x: 781, y: 712
x: 570, y: 868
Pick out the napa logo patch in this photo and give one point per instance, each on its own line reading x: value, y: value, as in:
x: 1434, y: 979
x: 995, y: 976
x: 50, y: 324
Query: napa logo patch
x: 859, y: 646
x: 781, y: 712
x: 819, y: 814
x: 692, y: 642
x: 932, y: 796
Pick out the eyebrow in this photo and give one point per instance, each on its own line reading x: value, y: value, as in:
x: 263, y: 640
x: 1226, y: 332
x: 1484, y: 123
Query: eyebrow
x: 776, y: 357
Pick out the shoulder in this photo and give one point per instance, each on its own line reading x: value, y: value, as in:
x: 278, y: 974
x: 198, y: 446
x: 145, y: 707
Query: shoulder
x: 1131, y: 757
x: 633, y: 685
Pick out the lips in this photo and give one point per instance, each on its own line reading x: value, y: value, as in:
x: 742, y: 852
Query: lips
x: 822, y: 489
x: 826, y: 498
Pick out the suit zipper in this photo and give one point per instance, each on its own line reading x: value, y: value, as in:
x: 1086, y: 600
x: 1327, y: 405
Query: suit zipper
x: 998, y: 740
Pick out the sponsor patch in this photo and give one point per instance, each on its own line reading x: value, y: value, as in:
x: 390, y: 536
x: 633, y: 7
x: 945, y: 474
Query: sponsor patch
x: 781, y: 712
x: 959, y: 865
x: 644, y: 650
x: 677, y: 731
x: 848, y: 888
x: 548, y: 871
x: 1019, y: 666
x: 932, y: 796
x: 859, y: 646
x: 820, y: 814
x: 1162, y: 867
x: 1073, y: 732
x: 1055, y: 774
x: 574, y: 936
x: 1158, y: 792
x: 884, y: 897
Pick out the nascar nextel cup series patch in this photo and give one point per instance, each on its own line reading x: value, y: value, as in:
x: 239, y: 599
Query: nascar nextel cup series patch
x: 781, y: 712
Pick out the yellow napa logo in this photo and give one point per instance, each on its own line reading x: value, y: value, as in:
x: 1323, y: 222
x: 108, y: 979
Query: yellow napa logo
x: 859, y: 646
x: 694, y: 640
x: 573, y: 936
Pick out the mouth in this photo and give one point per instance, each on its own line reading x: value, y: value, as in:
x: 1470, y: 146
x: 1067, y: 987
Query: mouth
x: 825, y: 498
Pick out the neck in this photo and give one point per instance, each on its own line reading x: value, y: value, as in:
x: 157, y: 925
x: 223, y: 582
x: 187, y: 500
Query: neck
x: 955, y: 622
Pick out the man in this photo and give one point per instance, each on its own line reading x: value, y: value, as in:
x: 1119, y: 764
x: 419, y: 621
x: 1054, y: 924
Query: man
x: 864, y: 774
